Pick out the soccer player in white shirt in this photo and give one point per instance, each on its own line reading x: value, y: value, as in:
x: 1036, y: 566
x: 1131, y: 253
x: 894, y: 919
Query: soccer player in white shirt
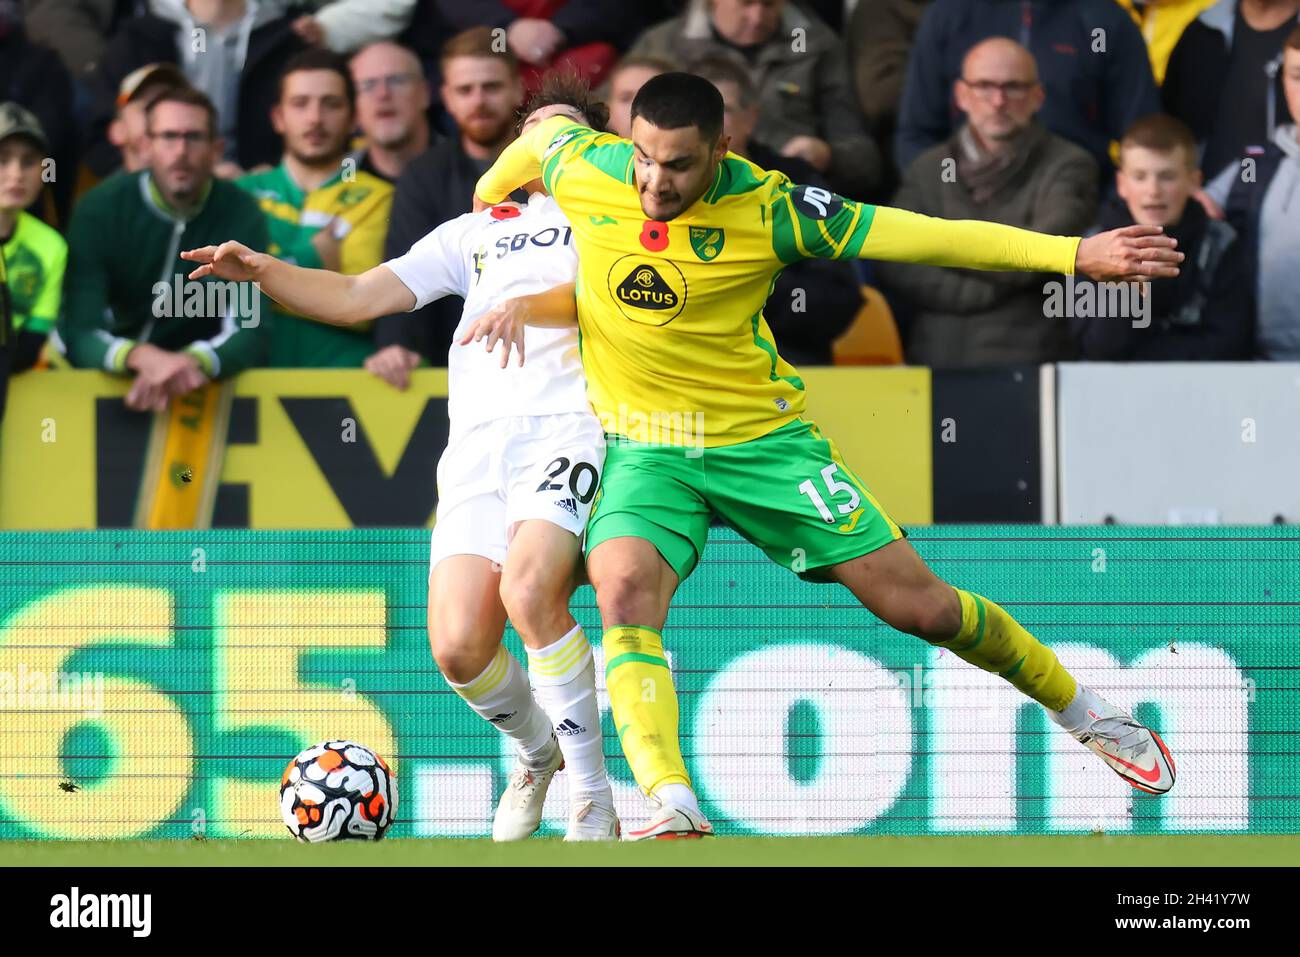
x: 515, y: 483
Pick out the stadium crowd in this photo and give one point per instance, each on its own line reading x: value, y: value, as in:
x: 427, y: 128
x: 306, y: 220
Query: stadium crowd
x: 338, y: 133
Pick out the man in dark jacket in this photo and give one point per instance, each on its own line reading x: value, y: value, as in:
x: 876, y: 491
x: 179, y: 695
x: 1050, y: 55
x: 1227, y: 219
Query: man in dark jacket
x: 1091, y: 59
x: 1224, y: 82
x: 1004, y: 167
x: 481, y: 90
x: 1206, y: 312
x: 231, y: 50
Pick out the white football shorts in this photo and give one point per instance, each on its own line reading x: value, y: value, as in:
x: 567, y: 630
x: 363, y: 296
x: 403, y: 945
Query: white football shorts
x: 509, y: 470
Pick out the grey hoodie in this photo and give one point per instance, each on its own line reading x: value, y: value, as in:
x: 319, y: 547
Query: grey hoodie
x: 1278, y: 329
x: 213, y: 61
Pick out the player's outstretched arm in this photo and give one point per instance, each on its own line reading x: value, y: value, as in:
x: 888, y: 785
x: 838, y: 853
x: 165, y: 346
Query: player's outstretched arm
x: 506, y: 321
x: 519, y: 163
x: 316, y: 293
x: 1130, y: 253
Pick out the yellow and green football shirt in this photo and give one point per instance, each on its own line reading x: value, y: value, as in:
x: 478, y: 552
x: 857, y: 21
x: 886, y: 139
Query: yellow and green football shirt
x: 356, y: 208
x: 671, y: 314
x: 36, y: 256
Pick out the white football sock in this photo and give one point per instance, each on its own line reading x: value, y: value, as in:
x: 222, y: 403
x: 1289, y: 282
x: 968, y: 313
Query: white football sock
x: 501, y: 696
x: 1075, y: 714
x: 564, y: 681
x: 678, y: 795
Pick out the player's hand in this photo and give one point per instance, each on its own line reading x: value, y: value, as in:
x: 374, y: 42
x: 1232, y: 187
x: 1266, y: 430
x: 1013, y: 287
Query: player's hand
x: 393, y: 364
x: 811, y: 149
x: 1128, y: 254
x: 230, y: 260
x: 504, y: 323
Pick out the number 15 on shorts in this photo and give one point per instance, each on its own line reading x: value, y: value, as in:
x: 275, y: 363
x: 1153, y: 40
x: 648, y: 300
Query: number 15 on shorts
x: 833, y: 487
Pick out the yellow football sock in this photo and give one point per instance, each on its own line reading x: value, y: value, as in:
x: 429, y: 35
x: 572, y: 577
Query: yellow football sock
x: 644, y: 703
x: 993, y: 640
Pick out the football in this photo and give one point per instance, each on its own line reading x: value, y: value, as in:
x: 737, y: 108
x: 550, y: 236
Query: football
x: 338, y: 790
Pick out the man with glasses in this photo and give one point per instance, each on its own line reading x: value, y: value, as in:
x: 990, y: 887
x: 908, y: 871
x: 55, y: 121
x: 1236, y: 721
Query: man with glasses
x: 999, y: 166
x: 392, y: 111
x: 127, y: 308
x: 392, y: 102
x: 1095, y: 71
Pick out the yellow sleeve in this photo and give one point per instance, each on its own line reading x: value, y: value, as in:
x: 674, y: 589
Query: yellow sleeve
x: 902, y: 236
x: 363, y: 247
x: 520, y: 162
x: 45, y: 311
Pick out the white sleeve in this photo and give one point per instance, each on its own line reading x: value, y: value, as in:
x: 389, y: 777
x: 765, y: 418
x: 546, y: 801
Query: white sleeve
x: 351, y: 24
x: 435, y: 266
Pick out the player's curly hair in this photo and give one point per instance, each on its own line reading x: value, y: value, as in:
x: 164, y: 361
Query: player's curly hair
x: 570, y: 89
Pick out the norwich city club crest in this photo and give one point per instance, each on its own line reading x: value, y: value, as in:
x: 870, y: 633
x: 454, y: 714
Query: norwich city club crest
x: 707, y: 242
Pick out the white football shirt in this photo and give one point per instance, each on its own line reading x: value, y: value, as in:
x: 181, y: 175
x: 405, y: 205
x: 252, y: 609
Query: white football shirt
x: 488, y: 257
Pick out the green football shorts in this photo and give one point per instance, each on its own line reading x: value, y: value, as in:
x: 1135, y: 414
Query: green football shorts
x: 789, y: 492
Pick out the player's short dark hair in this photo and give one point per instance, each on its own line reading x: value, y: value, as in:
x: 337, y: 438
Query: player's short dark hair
x: 720, y: 68
x: 187, y: 95
x: 315, y: 58
x: 671, y: 101
x: 568, y: 88
x: 1161, y: 133
x: 1292, y: 40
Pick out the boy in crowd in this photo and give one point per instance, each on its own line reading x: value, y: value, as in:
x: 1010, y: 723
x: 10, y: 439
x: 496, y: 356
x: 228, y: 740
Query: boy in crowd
x: 1207, y: 311
x: 34, y: 253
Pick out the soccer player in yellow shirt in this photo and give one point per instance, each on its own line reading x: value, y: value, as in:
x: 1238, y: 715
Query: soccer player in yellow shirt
x: 679, y: 244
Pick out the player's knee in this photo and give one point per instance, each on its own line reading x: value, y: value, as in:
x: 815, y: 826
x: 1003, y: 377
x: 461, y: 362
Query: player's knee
x: 461, y: 651
x: 626, y: 598
x: 536, y: 602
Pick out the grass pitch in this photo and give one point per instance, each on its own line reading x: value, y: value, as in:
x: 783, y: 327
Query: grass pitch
x: 1071, y: 851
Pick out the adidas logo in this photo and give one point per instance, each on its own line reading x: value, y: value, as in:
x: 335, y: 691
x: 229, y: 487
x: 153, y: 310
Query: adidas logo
x: 498, y: 718
x: 569, y: 726
x: 569, y: 505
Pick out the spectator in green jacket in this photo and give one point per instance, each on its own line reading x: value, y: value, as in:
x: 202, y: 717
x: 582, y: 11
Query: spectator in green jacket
x: 34, y: 253
x: 127, y: 305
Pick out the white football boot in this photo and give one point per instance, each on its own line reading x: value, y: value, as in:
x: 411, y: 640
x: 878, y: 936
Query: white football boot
x: 519, y: 812
x: 1132, y: 751
x: 670, y: 822
x: 593, y: 820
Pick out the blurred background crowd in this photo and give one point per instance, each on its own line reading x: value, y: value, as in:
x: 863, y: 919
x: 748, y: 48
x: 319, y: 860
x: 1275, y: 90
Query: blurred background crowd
x: 336, y: 134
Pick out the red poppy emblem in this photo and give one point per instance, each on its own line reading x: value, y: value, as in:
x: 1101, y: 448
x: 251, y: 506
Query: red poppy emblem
x: 654, y: 235
x: 505, y: 212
